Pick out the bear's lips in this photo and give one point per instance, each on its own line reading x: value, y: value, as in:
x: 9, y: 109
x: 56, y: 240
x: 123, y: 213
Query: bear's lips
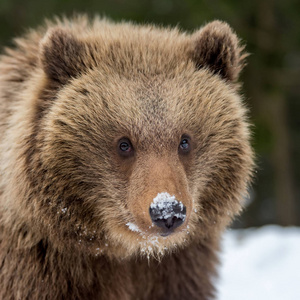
x: 154, y: 229
x: 165, y: 234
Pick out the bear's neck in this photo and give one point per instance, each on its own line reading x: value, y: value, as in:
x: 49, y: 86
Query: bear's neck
x: 83, y: 276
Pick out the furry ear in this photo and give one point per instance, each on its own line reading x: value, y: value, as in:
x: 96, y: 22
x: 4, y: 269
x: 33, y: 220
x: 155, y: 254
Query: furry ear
x: 62, y: 55
x: 217, y: 48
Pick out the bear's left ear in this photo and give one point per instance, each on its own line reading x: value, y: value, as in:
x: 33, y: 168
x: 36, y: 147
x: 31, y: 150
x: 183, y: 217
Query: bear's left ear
x: 62, y: 55
x: 217, y: 48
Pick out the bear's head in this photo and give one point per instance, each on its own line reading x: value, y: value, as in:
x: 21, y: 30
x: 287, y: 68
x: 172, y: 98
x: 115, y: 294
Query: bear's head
x: 140, y: 142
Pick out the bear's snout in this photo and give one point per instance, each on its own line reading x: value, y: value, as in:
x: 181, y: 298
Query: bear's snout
x: 167, y: 213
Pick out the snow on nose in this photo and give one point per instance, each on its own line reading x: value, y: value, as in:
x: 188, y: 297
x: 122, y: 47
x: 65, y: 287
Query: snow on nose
x: 167, y: 213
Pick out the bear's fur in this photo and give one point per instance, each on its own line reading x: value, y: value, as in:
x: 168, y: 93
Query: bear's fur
x: 74, y: 206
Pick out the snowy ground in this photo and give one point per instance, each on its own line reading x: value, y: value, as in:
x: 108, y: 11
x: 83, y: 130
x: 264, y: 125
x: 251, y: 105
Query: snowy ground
x: 261, y: 264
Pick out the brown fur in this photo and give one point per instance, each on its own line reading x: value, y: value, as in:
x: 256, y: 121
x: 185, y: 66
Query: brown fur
x: 68, y: 92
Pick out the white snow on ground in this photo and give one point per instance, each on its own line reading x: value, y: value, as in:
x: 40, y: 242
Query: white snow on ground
x: 260, y: 264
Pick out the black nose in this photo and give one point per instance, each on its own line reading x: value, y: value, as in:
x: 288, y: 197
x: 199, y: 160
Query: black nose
x: 167, y: 215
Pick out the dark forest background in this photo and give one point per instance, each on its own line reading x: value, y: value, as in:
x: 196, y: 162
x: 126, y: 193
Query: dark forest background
x: 271, y: 31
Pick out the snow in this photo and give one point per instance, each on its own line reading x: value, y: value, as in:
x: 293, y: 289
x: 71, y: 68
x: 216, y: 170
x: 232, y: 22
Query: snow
x: 260, y: 264
x: 164, y: 203
x: 133, y: 227
x: 64, y: 210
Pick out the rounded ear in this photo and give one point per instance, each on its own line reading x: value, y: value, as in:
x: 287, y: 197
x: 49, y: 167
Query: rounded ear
x: 217, y: 48
x: 62, y: 55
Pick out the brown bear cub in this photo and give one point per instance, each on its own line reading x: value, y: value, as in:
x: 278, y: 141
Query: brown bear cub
x: 124, y: 154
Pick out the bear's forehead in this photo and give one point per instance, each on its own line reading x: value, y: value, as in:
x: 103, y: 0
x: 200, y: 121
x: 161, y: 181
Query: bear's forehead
x: 151, y: 108
x: 153, y: 120
x: 143, y: 100
x: 147, y: 113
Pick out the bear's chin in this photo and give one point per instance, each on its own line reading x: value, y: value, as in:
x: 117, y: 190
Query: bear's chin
x: 140, y: 245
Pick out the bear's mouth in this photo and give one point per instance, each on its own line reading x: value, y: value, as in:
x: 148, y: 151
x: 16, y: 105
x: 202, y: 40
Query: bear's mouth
x: 165, y: 234
x: 168, y: 225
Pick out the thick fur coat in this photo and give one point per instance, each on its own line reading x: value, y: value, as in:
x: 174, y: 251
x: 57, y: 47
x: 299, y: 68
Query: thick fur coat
x: 97, y: 120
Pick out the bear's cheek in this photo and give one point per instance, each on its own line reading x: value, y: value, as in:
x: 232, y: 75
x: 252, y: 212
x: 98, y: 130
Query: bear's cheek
x: 159, y: 200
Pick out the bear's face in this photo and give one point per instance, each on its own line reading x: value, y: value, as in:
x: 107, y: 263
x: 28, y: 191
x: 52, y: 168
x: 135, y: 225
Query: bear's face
x: 144, y: 145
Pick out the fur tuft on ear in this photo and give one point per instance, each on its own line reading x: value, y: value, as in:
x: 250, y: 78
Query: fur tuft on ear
x: 217, y: 48
x: 61, y: 55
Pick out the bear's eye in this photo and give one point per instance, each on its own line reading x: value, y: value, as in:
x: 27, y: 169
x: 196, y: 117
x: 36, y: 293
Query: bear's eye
x: 125, y: 147
x: 184, y: 146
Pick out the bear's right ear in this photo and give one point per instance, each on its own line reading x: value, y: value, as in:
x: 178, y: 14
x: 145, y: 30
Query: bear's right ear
x: 62, y: 55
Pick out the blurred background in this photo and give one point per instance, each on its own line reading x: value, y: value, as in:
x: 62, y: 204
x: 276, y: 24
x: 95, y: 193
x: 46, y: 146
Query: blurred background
x: 271, y: 31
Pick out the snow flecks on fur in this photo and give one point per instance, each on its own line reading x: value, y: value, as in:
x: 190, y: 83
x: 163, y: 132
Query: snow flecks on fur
x: 148, y: 243
x: 133, y: 227
x: 150, y: 246
x: 165, y: 203
x: 155, y: 246
x: 64, y: 210
x: 98, y: 252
